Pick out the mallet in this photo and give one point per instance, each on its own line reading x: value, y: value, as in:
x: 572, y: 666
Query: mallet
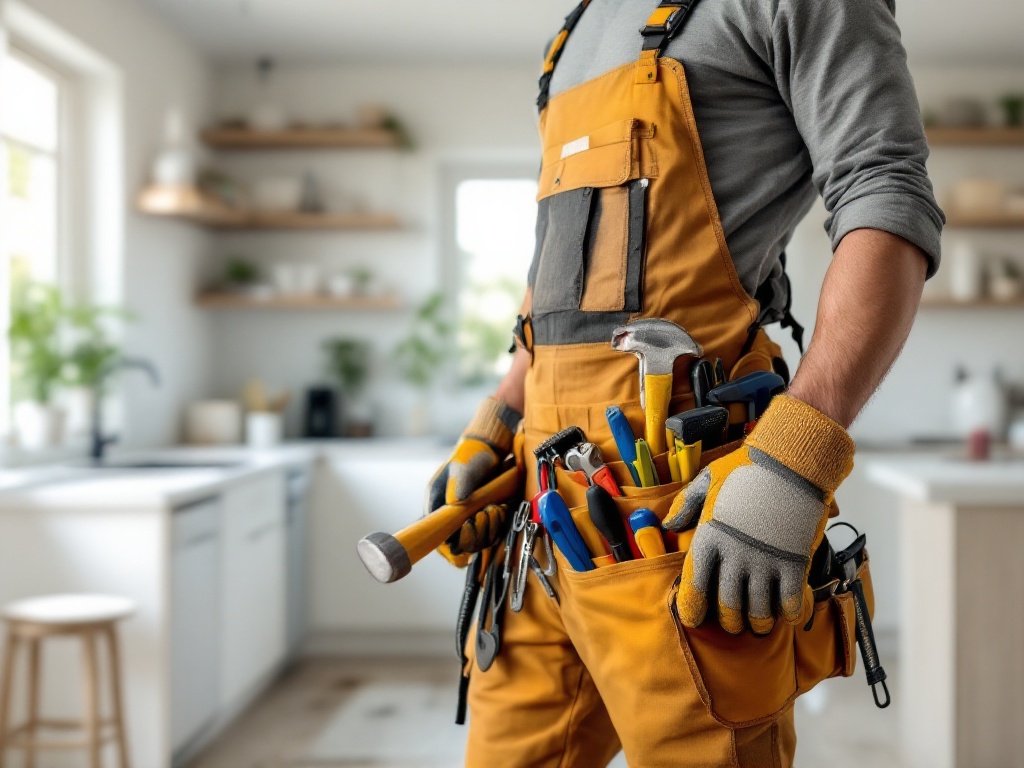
x: 390, y: 557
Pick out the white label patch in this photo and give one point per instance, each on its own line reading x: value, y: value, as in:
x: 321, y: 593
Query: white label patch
x: 575, y: 147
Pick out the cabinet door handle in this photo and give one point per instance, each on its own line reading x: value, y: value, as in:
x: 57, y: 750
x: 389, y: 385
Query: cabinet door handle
x: 259, y: 533
x: 195, y: 541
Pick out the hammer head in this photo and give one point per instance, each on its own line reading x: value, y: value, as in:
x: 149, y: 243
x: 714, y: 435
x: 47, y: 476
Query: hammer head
x: 657, y: 343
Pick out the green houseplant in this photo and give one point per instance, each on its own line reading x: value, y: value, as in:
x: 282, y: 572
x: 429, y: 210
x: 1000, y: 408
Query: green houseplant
x: 421, y: 356
x: 37, y: 363
x: 348, y: 363
x: 56, y: 346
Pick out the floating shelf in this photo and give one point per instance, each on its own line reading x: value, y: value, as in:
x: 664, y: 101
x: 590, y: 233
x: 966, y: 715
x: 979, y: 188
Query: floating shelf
x: 943, y: 303
x: 192, y: 205
x: 976, y: 137
x: 994, y: 220
x: 236, y: 301
x: 300, y: 138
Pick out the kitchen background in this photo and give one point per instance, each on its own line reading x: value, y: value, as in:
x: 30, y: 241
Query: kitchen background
x: 280, y: 198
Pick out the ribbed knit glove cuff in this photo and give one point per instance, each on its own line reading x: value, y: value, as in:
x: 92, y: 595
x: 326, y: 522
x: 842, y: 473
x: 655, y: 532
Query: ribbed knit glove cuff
x: 495, y: 424
x: 805, y: 440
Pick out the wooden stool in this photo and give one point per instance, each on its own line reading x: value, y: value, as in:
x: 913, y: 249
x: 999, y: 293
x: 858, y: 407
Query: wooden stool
x: 30, y: 622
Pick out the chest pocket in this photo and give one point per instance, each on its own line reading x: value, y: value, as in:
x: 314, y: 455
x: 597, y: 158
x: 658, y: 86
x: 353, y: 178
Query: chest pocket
x: 591, y: 222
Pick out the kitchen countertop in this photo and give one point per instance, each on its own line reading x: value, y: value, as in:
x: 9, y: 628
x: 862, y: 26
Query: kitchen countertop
x: 953, y: 480
x: 76, y: 485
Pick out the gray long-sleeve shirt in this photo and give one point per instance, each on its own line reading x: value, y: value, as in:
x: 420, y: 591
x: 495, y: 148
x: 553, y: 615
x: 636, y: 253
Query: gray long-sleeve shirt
x: 789, y: 96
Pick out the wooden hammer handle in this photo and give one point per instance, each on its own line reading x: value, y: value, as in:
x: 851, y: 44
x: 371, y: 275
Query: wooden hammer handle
x: 390, y: 557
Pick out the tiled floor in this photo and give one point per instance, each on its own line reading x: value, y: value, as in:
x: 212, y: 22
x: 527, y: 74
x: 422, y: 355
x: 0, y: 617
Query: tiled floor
x: 330, y: 713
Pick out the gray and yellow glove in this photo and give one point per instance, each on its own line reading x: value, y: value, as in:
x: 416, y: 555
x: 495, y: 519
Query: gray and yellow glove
x: 763, y: 510
x: 478, y: 454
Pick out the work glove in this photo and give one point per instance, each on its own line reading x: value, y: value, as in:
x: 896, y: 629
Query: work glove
x: 762, y: 514
x: 478, y: 454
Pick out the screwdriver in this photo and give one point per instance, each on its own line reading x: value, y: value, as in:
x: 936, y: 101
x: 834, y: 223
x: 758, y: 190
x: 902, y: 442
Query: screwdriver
x: 605, y: 516
x: 647, y: 532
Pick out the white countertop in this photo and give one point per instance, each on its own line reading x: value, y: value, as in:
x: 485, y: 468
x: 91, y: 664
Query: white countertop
x: 952, y: 480
x: 76, y: 485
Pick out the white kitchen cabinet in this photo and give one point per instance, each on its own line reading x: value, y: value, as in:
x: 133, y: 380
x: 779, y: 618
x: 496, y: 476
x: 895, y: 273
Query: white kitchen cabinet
x: 376, y: 488
x: 254, y: 579
x: 195, y: 619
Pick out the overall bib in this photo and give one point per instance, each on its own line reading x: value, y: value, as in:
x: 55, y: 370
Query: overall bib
x: 628, y: 228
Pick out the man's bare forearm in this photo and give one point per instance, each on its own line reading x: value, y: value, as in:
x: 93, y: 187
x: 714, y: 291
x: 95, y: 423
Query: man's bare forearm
x: 512, y: 389
x: 868, y: 303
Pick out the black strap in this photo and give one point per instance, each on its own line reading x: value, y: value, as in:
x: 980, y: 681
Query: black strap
x: 658, y: 35
x: 556, y: 53
x: 788, y: 321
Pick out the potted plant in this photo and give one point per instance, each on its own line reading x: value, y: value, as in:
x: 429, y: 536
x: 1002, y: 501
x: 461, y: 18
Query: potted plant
x: 422, y: 354
x: 91, y: 357
x: 348, y: 363
x: 37, y: 364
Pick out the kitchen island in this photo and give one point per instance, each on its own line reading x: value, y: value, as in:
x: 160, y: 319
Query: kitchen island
x: 961, y: 693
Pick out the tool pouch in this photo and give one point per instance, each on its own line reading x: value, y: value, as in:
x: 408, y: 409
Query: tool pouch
x: 620, y: 612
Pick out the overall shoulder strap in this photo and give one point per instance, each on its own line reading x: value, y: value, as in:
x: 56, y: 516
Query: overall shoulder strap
x: 555, y: 52
x: 665, y: 23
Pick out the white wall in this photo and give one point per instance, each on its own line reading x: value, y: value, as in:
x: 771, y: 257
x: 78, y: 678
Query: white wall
x: 455, y: 115
x: 151, y: 266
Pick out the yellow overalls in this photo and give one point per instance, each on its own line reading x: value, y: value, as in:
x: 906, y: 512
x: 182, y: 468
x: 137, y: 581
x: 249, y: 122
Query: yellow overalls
x: 628, y: 228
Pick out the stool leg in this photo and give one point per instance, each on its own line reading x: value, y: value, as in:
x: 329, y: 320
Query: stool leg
x: 5, y: 693
x: 33, y: 700
x: 115, y: 682
x: 92, y: 699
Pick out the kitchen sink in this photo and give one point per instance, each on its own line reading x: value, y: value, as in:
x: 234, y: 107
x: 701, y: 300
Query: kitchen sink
x: 157, y: 464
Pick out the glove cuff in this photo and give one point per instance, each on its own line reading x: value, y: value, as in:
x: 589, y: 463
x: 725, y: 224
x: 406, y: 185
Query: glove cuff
x: 495, y: 424
x: 805, y: 440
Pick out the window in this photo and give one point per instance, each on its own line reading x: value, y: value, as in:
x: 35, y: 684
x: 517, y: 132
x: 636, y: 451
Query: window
x: 495, y: 222
x: 30, y: 187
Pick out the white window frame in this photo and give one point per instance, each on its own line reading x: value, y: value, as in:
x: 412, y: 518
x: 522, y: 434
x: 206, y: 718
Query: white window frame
x: 453, y: 270
x: 68, y: 269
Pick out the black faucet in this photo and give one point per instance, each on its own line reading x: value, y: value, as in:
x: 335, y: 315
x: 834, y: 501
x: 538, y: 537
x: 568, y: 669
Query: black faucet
x: 99, y: 440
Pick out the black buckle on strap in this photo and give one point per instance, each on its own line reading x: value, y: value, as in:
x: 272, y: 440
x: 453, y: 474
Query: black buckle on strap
x: 657, y: 35
x: 670, y: 25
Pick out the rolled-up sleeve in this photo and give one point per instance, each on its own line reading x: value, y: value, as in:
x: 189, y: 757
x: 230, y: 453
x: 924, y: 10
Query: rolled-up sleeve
x: 842, y: 70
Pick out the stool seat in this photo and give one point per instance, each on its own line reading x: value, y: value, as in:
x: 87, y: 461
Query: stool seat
x: 58, y: 610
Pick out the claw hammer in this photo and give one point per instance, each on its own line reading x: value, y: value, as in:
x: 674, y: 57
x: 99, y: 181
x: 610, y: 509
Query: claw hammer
x: 657, y: 344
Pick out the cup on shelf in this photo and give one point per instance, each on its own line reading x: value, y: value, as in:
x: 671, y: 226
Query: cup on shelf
x: 341, y: 286
x: 296, y: 279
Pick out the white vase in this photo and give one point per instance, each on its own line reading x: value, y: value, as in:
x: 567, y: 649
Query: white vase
x: 965, y: 274
x: 421, y: 418
x: 79, y: 412
x: 38, y: 425
x: 263, y: 429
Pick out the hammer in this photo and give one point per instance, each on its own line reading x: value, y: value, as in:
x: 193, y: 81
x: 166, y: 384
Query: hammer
x: 657, y: 344
x: 389, y: 557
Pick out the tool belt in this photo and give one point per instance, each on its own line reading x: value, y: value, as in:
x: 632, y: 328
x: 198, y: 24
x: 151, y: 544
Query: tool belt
x: 742, y: 679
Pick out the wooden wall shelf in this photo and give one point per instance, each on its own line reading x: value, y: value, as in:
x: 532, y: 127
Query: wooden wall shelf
x: 191, y: 205
x: 995, y: 220
x: 236, y: 301
x: 944, y: 303
x: 976, y: 137
x: 304, y: 138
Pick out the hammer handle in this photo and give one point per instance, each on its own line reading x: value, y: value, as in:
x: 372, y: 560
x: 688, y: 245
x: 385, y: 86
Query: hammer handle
x: 657, y: 395
x: 390, y: 557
